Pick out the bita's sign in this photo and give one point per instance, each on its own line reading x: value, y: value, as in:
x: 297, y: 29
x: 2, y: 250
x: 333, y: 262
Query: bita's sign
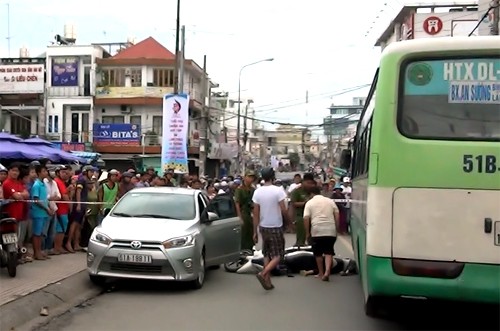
x: 22, y: 78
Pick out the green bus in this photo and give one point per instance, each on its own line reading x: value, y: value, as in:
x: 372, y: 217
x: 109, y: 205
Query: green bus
x: 425, y: 162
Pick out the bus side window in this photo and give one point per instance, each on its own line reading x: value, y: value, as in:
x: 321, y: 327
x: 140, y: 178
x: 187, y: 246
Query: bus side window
x: 362, y: 151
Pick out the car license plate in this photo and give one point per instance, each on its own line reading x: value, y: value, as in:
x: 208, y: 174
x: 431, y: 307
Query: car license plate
x: 497, y: 233
x: 9, y: 238
x: 135, y: 258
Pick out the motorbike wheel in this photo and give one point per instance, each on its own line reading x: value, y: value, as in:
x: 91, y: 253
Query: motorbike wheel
x: 12, y: 264
x: 233, y: 267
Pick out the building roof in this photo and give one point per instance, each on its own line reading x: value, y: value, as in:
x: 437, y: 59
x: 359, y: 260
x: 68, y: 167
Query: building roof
x: 409, y: 9
x: 149, y: 48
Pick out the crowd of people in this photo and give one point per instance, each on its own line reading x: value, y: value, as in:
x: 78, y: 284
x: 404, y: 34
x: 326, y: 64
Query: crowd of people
x: 57, y: 207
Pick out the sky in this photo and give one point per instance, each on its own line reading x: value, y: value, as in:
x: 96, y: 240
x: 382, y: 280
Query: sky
x: 319, y: 46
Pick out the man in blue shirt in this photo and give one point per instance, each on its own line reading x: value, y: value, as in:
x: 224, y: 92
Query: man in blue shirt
x: 40, y: 211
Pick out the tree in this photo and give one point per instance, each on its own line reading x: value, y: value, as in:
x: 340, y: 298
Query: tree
x: 294, y: 159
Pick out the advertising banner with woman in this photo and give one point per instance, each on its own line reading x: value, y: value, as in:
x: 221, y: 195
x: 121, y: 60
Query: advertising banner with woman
x: 175, y: 133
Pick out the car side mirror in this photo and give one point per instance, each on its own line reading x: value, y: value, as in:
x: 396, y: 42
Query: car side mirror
x: 106, y: 211
x: 211, y: 216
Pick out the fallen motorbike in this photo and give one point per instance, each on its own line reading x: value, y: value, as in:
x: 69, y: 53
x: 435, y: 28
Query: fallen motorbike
x: 243, y: 259
x: 244, y: 263
x: 296, y: 260
x: 8, y: 245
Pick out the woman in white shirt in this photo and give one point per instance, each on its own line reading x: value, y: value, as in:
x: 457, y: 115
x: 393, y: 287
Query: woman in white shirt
x: 320, y: 217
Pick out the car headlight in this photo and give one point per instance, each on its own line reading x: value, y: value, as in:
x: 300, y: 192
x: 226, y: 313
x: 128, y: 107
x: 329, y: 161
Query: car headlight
x: 100, y: 238
x: 179, y: 242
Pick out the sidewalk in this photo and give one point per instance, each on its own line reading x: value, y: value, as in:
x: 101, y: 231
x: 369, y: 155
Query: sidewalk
x: 36, y: 275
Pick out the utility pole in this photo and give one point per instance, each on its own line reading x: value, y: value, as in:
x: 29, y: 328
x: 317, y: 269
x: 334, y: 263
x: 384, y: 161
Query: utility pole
x: 177, y: 37
x: 496, y: 18
x: 238, y: 133
x: 303, y: 148
x: 182, y: 57
x: 304, y: 141
x: 245, y: 138
x: 238, y: 119
x: 8, y: 29
x: 204, y: 121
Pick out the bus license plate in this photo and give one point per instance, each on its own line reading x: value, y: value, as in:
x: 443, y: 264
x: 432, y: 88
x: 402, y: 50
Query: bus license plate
x: 497, y: 233
x: 9, y: 238
x: 135, y: 258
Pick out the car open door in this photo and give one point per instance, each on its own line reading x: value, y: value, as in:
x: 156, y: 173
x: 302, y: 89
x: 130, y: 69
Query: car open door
x: 226, y: 230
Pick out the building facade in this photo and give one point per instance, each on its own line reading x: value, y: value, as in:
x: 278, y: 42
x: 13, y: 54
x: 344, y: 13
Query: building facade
x: 129, y: 93
x: 229, y: 117
x: 70, y: 91
x: 340, y: 127
x: 431, y: 20
x: 22, y: 87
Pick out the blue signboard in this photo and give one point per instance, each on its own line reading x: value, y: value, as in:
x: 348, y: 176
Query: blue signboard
x: 117, y: 134
x: 65, y: 71
x: 464, y: 81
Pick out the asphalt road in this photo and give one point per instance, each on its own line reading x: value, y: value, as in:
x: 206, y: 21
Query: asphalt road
x: 238, y: 302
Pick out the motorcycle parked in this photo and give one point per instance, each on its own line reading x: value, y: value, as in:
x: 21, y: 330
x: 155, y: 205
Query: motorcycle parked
x: 8, y: 245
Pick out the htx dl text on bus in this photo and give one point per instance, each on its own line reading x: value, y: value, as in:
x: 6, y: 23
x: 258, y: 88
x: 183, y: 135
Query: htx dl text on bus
x: 482, y: 71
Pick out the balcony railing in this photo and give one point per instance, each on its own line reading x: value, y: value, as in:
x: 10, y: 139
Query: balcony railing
x: 132, y: 92
x: 67, y: 91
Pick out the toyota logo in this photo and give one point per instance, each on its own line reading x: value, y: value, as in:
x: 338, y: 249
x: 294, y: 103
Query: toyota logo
x: 136, y: 244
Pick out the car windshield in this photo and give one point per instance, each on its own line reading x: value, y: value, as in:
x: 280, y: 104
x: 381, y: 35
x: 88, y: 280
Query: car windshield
x: 156, y: 205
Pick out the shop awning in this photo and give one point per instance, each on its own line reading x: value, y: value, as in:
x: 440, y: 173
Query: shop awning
x: 87, y: 155
x: 117, y: 156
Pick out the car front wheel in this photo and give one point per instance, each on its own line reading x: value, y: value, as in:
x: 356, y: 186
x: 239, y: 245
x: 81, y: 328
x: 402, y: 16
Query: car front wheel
x: 200, y: 280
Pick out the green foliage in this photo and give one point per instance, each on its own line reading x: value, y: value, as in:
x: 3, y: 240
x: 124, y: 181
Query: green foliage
x: 294, y: 159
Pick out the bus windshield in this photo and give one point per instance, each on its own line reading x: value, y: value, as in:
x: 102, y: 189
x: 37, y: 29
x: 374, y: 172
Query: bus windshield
x: 455, y: 99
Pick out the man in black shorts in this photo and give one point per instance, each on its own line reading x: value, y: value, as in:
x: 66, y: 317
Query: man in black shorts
x: 268, y: 214
x: 320, y: 217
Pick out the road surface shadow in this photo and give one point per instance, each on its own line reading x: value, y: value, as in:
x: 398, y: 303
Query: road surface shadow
x: 424, y: 315
x: 152, y: 286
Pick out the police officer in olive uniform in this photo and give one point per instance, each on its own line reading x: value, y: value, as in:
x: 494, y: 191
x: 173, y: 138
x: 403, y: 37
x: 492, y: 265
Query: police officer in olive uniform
x: 243, y: 198
x: 299, y: 197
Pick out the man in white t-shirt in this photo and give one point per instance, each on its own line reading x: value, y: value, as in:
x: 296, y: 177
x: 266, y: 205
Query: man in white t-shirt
x: 297, y: 179
x: 268, y: 214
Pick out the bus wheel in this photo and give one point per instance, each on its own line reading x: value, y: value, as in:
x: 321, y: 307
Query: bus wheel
x: 376, y: 307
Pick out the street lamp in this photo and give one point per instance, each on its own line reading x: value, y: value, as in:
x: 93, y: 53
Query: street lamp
x: 239, y: 108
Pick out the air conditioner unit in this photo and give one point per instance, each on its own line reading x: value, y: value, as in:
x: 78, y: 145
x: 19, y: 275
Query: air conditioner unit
x: 125, y: 109
x: 128, y: 72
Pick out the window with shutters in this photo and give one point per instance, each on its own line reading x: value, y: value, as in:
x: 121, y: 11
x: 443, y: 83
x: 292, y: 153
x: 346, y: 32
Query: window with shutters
x: 163, y: 77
